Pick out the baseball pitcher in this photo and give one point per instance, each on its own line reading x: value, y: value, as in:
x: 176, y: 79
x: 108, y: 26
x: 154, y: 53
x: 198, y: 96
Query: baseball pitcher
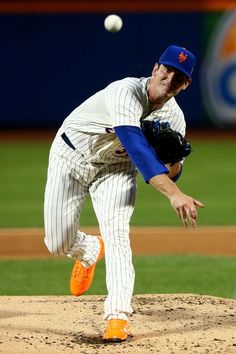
x: 132, y: 125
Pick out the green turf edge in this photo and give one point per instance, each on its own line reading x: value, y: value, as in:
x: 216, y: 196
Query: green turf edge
x: 207, y: 275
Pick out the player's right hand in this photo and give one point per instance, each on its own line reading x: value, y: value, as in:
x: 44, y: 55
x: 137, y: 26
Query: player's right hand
x: 186, y: 208
x: 184, y: 205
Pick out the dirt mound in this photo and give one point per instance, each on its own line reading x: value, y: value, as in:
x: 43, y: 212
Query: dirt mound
x: 160, y: 324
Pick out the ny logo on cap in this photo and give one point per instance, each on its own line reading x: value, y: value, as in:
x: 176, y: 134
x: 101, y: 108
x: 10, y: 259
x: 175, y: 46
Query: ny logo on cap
x: 182, y: 57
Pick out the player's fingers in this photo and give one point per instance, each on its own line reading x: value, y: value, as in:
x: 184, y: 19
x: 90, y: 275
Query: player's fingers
x: 192, y: 219
x: 191, y: 214
x: 183, y: 216
x: 198, y: 203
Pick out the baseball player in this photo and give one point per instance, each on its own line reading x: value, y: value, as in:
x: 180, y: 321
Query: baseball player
x: 98, y: 150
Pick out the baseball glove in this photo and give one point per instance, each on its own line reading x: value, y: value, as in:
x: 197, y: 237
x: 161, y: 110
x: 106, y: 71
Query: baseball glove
x: 169, y: 145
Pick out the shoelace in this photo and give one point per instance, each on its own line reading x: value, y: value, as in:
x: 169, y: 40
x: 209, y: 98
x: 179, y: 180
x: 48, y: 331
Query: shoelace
x: 78, y: 272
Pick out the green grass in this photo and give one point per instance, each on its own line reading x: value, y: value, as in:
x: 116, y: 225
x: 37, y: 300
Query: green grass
x: 22, y: 180
x: 205, y: 275
x: 209, y: 175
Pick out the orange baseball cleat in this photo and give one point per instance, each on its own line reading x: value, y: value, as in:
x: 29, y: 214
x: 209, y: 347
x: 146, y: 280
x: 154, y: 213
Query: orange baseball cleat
x: 116, y: 330
x: 81, y: 277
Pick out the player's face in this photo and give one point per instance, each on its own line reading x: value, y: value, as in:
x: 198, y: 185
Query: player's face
x: 166, y: 82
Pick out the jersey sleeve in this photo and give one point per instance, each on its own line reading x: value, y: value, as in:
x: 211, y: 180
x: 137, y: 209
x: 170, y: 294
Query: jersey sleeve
x: 140, y: 152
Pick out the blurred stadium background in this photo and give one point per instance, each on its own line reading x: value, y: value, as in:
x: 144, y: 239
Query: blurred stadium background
x: 54, y: 54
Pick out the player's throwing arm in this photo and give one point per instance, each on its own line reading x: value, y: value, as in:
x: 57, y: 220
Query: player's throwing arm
x: 171, y: 147
x: 184, y: 205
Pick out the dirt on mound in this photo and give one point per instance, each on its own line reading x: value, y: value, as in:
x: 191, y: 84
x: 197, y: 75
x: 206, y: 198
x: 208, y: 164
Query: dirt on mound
x: 160, y: 324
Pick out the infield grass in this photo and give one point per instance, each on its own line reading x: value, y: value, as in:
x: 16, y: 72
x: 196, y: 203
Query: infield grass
x: 209, y: 175
x: 171, y: 274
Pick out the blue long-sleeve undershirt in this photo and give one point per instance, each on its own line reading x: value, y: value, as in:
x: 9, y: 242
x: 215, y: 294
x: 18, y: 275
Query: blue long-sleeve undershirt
x: 140, y: 151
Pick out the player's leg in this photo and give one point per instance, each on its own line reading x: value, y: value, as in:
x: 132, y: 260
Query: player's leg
x: 113, y: 196
x: 64, y: 199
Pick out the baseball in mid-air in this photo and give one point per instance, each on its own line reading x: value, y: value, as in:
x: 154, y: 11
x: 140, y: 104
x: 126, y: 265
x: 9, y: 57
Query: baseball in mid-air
x: 113, y: 23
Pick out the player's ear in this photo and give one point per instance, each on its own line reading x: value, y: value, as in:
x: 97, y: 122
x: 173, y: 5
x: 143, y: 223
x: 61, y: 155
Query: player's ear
x: 186, y: 84
x: 155, y: 68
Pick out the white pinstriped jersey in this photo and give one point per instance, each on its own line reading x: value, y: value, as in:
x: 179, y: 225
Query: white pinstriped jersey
x: 123, y: 102
x: 100, y: 167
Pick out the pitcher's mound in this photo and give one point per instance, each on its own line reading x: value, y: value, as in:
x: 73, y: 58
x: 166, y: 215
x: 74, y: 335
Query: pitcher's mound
x: 160, y: 324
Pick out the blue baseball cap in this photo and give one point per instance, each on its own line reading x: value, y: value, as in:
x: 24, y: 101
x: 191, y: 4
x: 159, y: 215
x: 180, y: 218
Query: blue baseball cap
x: 179, y: 58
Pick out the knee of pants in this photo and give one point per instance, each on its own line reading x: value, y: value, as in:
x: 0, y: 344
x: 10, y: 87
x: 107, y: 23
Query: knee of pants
x: 116, y: 236
x: 55, y: 246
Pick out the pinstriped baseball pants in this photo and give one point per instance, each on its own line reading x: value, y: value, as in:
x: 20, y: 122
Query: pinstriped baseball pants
x: 112, y: 188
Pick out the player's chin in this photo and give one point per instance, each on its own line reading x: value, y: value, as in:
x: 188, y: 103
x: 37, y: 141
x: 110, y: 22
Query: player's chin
x: 169, y: 91
x: 172, y: 93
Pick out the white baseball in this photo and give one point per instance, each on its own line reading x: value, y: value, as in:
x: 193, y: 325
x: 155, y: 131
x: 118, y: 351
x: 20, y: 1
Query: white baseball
x: 113, y: 23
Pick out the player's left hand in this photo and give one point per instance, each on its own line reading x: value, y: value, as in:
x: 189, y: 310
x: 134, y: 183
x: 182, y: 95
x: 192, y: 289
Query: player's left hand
x: 169, y: 145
